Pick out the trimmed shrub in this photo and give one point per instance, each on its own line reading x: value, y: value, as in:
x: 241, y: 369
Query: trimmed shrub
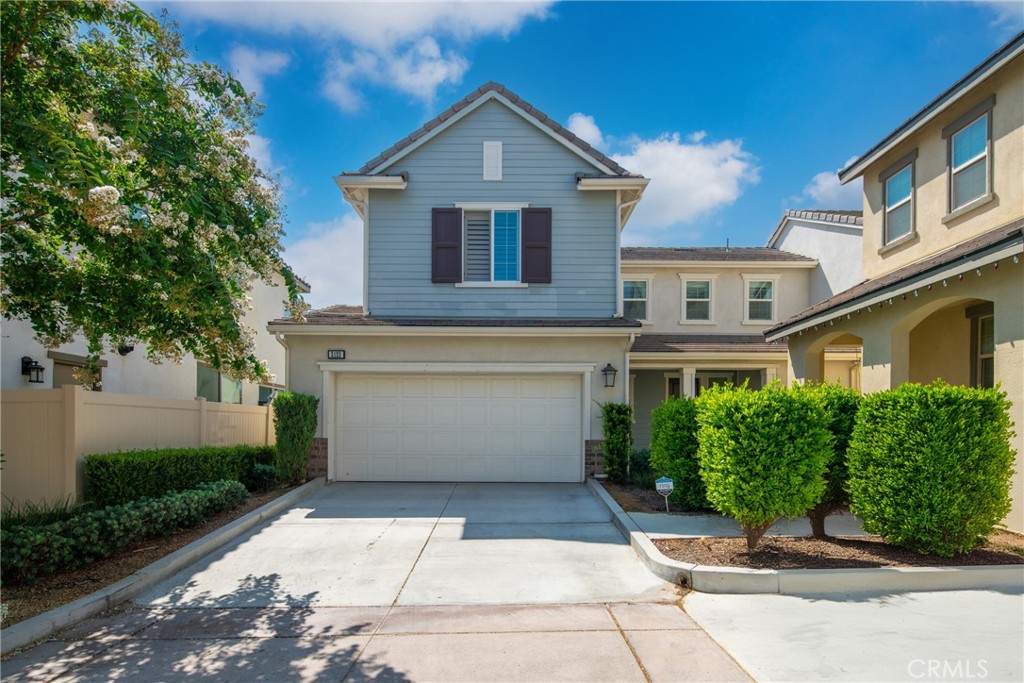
x: 840, y: 405
x: 27, y: 552
x: 930, y: 466
x: 295, y: 426
x: 262, y: 478
x: 674, y: 451
x: 116, y: 478
x: 762, y: 454
x: 640, y: 472
x: 617, y: 421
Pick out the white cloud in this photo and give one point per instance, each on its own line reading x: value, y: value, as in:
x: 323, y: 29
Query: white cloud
x: 825, y: 192
x: 413, y: 47
x: 252, y: 66
x: 1009, y: 17
x: 419, y: 71
x: 585, y: 127
x: 330, y: 258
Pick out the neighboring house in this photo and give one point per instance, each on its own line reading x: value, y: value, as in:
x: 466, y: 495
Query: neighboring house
x: 833, y: 238
x: 943, y: 244
x: 128, y: 371
x: 703, y: 312
x: 491, y: 328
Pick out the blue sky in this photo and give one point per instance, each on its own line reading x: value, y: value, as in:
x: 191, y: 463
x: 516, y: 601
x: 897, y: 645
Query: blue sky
x: 737, y: 111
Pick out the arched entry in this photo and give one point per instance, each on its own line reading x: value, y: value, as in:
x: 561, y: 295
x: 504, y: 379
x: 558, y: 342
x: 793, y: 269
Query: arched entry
x: 949, y: 339
x: 835, y: 357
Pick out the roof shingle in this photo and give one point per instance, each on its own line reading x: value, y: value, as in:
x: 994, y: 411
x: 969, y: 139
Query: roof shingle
x: 705, y: 343
x: 764, y: 254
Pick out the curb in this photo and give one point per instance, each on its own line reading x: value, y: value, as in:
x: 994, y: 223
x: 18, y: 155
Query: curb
x: 707, y: 579
x: 42, y: 625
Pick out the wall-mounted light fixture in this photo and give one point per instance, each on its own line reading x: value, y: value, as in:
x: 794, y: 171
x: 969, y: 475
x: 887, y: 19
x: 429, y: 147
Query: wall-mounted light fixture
x: 609, y: 373
x: 32, y: 369
x: 125, y: 349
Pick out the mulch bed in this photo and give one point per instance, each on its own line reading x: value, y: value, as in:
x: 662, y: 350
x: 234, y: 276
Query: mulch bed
x: 64, y: 587
x: 786, y: 552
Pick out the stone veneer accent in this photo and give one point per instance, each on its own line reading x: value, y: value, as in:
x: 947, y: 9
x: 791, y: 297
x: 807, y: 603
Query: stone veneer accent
x: 593, y: 457
x: 316, y: 465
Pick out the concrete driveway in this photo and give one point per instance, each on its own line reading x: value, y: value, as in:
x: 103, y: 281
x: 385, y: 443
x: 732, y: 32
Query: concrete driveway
x: 353, y: 544
x: 403, y: 582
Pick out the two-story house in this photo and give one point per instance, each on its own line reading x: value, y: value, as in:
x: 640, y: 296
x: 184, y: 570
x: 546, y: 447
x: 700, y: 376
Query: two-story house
x: 943, y: 245
x: 703, y: 311
x: 491, y: 328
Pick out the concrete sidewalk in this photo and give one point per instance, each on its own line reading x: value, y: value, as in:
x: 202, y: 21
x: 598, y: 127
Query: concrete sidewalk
x: 587, y: 643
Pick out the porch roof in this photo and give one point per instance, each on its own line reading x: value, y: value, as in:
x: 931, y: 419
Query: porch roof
x: 977, y: 251
x: 705, y: 343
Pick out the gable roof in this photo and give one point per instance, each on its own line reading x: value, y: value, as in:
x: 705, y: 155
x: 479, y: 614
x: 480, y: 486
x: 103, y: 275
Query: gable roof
x: 705, y: 254
x: 993, y: 63
x: 836, y: 216
x: 486, y: 92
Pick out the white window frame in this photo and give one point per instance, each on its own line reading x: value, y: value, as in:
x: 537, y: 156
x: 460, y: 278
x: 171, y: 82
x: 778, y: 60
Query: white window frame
x: 758, y: 277
x: 492, y: 207
x: 649, y: 279
x: 985, y: 157
x: 697, y: 277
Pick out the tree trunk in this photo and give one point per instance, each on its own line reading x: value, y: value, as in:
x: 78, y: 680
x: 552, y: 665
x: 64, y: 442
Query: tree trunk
x: 754, y: 534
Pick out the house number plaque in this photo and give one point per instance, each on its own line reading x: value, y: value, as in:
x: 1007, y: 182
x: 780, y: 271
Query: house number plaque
x: 335, y: 354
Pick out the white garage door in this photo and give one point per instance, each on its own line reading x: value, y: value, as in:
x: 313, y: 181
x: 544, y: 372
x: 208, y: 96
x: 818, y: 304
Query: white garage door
x: 458, y: 428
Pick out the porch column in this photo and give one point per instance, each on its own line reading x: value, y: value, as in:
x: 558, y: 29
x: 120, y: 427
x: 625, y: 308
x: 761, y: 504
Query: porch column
x: 768, y: 375
x: 689, y: 382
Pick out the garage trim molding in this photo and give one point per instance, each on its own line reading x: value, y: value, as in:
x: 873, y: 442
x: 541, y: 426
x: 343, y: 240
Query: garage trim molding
x: 330, y: 369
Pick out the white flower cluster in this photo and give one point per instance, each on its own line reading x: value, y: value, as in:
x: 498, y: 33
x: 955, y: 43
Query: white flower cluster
x: 103, y: 211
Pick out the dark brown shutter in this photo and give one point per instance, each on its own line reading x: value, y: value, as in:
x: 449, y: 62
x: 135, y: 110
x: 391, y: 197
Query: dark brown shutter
x: 446, y: 245
x: 536, y: 246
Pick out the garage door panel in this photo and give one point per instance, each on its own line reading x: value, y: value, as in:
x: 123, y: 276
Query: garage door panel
x: 458, y: 428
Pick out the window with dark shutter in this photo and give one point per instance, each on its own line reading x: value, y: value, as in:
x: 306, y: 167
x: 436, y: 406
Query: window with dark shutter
x: 446, y: 265
x: 478, y: 246
x: 536, y: 241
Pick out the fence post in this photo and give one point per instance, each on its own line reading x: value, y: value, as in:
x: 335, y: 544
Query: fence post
x: 201, y: 440
x: 269, y: 424
x: 72, y: 472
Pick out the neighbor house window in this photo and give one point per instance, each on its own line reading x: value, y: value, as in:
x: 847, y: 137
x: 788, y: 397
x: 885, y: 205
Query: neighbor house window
x: 492, y: 240
x: 760, y: 299
x: 697, y: 294
x: 970, y: 152
x: 634, y: 299
x: 985, y: 343
x: 217, y: 387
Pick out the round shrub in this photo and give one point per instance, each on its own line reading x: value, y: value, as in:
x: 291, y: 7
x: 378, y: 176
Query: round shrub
x: 840, y: 405
x: 762, y: 454
x: 261, y: 478
x: 674, y: 451
x: 930, y: 466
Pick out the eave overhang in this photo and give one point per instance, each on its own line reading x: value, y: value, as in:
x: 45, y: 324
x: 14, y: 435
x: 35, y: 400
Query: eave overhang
x: 356, y: 188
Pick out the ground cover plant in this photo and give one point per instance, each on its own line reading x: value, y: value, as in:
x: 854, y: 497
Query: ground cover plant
x: 762, y: 454
x: 930, y: 466
x: 116, y: 478
x: 674, y: 451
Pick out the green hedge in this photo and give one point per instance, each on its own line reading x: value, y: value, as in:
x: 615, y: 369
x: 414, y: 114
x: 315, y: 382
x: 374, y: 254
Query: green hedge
x: 617, y: 421
x: 762, y: 454
x: 930, y: 466
x: 674, y: 451
x: 28, y: 552
x: 295, y: 426
x: 840, y: 405
x: 116, y: 478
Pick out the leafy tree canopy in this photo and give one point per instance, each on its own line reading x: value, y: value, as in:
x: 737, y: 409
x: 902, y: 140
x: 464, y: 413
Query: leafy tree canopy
x: 131, y: 208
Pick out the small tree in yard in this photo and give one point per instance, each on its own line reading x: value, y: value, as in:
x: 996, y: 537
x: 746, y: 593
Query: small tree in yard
x: 762, y: 454
x: 295, y: 426
x: 840, y: 405
x: 617, y: 420
x: 930, y: 466
x: 674, y: 451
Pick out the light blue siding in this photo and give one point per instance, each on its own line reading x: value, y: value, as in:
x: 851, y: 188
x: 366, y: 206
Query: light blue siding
x: 449, y: 169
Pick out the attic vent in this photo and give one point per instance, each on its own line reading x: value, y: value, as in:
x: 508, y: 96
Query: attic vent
x: 492, y: 160
x: 478, y: 246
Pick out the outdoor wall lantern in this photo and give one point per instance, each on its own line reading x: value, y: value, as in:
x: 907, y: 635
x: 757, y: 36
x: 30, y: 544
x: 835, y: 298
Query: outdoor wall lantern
x: 33, y: 369
x: 125, y: 349
x: 609, y: 373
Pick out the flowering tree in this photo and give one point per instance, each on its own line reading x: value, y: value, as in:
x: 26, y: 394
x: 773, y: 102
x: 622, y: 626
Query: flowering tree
x: 131, y: 208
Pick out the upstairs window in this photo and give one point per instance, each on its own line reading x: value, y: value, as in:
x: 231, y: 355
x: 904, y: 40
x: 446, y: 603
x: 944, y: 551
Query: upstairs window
x: 697, y: 305
x: 634, y: 299
x: 969, y: 163
x: 899, y: 205
x: 492, y: 246
x: 760, y: 303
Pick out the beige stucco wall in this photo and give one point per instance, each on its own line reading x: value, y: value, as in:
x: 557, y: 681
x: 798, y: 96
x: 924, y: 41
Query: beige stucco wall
x: 932, y: 178
x: 902, y: 343
x: 304, y: 352
x: 728, y: 296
